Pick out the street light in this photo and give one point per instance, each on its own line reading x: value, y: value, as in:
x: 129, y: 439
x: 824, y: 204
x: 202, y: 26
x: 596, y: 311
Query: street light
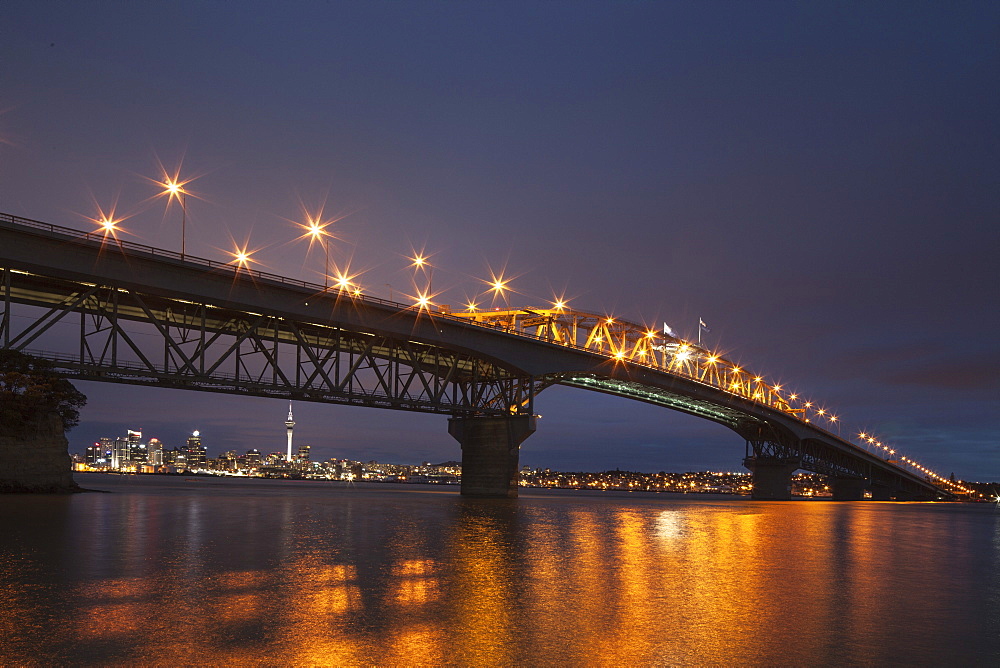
x: 107, y: 222
x: 419, y: 263
x: 318, y: 232
x: 174, y: 189
x: 241, y: 258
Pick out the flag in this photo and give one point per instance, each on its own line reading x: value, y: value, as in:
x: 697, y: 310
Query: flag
x: 701, y: 323
x: 667, y: 330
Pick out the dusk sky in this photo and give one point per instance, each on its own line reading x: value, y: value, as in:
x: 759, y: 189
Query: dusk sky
x: 818, y: 181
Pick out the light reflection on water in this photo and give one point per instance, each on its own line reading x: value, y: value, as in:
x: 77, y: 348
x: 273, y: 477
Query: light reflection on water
x: 175, y: 572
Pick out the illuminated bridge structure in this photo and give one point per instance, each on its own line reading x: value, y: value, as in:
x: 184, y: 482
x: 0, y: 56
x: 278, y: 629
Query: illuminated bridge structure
x: 108, y: 310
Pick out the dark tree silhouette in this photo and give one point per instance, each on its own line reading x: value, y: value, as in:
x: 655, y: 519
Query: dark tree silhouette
x: 30, y: 389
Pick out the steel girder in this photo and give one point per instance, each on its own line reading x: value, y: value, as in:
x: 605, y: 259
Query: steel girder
x: 126, y: 336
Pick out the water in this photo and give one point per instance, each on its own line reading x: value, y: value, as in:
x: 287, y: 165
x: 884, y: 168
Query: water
x: 174, y: 571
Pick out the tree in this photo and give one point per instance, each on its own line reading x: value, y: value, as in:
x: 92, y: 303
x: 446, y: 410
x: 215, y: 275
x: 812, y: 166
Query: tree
x: 30, y: 389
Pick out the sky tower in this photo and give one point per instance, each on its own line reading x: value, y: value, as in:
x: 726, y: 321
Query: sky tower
x: 289, y: 423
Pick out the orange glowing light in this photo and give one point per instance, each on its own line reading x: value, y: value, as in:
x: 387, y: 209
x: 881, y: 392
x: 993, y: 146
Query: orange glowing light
x: 173, y: 188
x: 342, y: 281
x: 242, y: 257
x: 316, y: 229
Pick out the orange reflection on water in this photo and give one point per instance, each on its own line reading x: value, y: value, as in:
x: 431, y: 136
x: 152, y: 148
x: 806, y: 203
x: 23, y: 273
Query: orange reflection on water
x: 481, y: 608
x: 527, y: 582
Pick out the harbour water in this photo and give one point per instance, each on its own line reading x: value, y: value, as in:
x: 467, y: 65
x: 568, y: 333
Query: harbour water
x: 209, y: 571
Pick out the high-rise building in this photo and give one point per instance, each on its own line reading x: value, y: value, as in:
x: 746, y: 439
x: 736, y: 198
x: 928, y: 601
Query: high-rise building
x: 289, y: 424
x: 154, y: 452
x: 107, y: 445
x: 303, y: 453
x: 227, y: 461
x: 121, y: 451
x: 137, y: 450
x: 253, y: 459
x: 197, y: 454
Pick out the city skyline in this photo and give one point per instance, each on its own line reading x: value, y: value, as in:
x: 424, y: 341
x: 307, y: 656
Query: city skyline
x: 832, y: 222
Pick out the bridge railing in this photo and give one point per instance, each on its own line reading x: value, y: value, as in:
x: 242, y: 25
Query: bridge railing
x: 107, y: 239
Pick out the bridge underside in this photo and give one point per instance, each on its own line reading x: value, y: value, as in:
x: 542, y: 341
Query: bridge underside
x: 773, y: 453
x: 126, y: 336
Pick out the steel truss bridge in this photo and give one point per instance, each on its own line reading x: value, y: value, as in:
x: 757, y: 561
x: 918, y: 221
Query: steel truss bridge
x: 108, y: 310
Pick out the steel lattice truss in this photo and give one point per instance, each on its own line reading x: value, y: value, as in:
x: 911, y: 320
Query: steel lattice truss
x: 130, y: 337
x: 626, y: 341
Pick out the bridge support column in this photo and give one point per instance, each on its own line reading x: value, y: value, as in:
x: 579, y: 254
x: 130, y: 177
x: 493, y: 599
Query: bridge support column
x: 772, y: 477
x: 881, y: 493
x: 849, y: 489
x: 490, y: 453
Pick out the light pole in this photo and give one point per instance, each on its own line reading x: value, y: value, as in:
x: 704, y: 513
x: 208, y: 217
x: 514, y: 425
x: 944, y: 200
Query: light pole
x: 420, y: 263
x: 318, y: 232
x: 499, y: 287
x: 175, y: 189
x: 184, y: 220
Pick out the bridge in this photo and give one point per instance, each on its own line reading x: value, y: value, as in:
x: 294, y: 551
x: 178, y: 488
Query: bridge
x: 103, y: 309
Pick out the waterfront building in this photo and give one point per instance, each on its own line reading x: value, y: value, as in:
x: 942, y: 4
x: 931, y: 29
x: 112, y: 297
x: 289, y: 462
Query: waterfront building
x: 107, y: 444
x: 138, y: 452
x: 197, y: 454
x: 154, y: 452
x: 120, y: 452
x: 180, y: 460
x: 303, y: 453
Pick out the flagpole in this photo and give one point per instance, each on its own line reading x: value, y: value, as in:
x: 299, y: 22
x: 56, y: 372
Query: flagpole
x: 699, y: 331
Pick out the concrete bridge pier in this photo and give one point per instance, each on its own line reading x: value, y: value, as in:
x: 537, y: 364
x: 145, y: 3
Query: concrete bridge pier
x: 849, y: 489
x: 881, y: 493
x: 490, y: 452
x: 772, y: 477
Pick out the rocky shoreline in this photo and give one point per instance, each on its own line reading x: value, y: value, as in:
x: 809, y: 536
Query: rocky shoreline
x: 35, y: 459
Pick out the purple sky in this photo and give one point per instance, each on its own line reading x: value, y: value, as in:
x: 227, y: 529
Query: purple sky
x: 819, y: 181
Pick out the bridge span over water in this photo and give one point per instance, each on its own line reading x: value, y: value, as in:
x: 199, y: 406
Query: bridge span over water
x: 107, y: 310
